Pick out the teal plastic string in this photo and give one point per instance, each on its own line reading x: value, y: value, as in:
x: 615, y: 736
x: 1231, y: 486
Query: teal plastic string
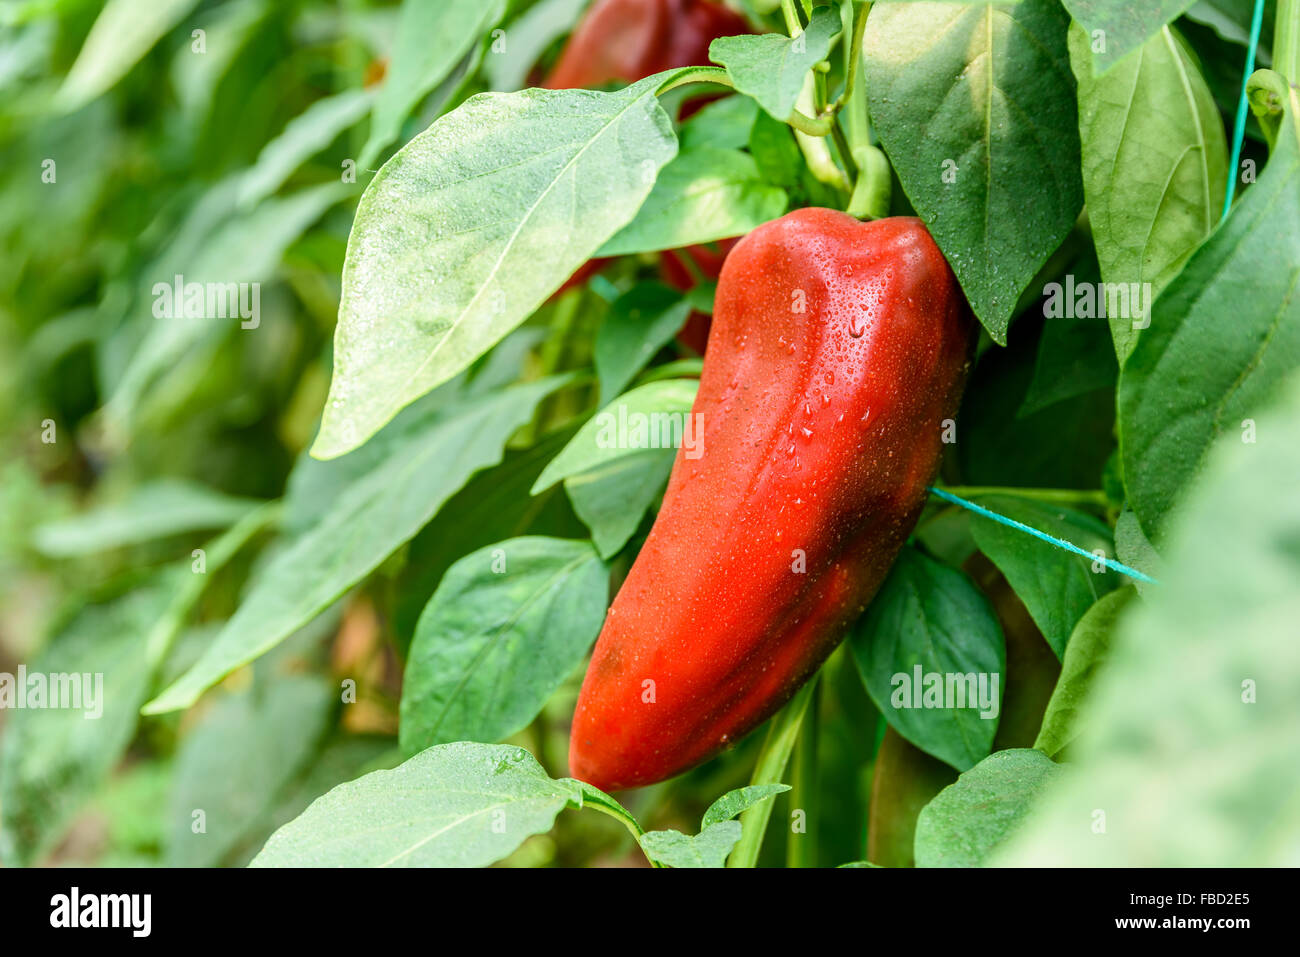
x: 1042, y: 536
x: 1239, y: 131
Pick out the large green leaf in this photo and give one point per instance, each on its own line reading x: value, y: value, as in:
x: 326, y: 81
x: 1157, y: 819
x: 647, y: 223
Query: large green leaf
x: 1155, y: 164
x: 705, y: 194
x: 969, y: 820
x: 431, y: 38
x: 975, y: 107
x: 1190, y: 756
x: 470, y: 227
x: 454, y: 805
x: 1123, y: 25
x: 1056, y: 586
x: 1223, y: 335
x: 770, y: 67
x: 931, y: 617
x: 506, y: 626
x: 371, y: 518
x: 237, y: 759
x: 1084, y: 656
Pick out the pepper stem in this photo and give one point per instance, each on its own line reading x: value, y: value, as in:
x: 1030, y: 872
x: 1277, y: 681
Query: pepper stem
x: 781, y: 737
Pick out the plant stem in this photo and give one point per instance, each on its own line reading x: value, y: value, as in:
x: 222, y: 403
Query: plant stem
x: 781, y: 736
x: 801, y: 849
x: 792, y: 24
x: 855, y: 54
x: 1286, y: 40
x: 1060, y: 495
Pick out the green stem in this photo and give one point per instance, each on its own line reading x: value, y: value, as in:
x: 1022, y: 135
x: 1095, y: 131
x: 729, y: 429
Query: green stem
x: 801, y: 849
x: 1057, y: 495
x: 792, y: 24
x: 781, y: 737
x: 697, y: 74
x: 1286, y: 40
x: 855, y: 55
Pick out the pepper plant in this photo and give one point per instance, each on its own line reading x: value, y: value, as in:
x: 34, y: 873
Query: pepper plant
x: 901, y: 399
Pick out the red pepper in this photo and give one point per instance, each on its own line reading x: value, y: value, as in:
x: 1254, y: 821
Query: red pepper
x: 627, y: 40
x: 837, y: 351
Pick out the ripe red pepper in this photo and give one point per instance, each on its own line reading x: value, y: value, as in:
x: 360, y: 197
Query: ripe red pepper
x: 629, y: 40
x: 837, y: 351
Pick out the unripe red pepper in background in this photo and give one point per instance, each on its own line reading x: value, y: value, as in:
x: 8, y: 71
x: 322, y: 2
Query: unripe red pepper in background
x: 628, y: 40
x: 837, y: 350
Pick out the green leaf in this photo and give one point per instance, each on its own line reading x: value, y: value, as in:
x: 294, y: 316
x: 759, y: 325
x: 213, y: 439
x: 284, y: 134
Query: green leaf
x: 470, y: 227
x: 932, y: 618
x: 123, y: 33
x: 709, y: 848
x: 1230, y: 19
x: 1075, y: 358
x: 1134, y: 550
x: 718, y: 832
x: 639, y: 323
x: 773, y: 146
x: 1190, y: 752
x: 372, y: 517
x: 303, y: 137
x: 506, y: 626
x: 454, y: 805
x: 431, y: 38
x: 245, y: 248
x: 237, y: 759
x: 1195, y: 375
x: 968, y: 821
x: 54, y: 758
x: 611, y: 498
x: 652, y: 416
x: 153, y: 510
x: 1155, y: 163
x: 770, y: 67
x: 703, y: 195
x: 975, y: 107
x: 722, y: 124
x: 494, y: 505
x: 1124, y: 26
x: 1064, y: 445
x: 1056, y: 586
x: 741, y: 799
x: 1084, y: 657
